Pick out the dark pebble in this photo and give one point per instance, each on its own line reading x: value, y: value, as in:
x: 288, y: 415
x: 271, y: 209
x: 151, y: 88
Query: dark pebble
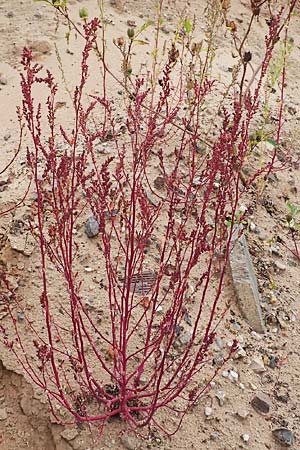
x: 91, y: 227
x: 284, y: 436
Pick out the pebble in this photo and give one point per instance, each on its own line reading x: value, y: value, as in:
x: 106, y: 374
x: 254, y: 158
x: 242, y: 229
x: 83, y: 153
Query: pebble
x: 273, y: 361
x: 220, y: 395
x: 208, y: 411
x: 3, y: 80
x: 3, y: 414
x: 233, y: 376
x: 40, y: 47
x: 261, y: 403
x: 165, y: 29
x: 159, y: 310
x: 128, y: 442
x: 159, y: 183
x: 38, y: 15
x: 284, y: 436
x: 242, y: 414
x: 245, y: 281
x: 185, y: 338
x: 7, y: 136
x: 256, y: 335
x: 22, y: 244
x: 214, y: 436
x: 274, y: 250
x: 69, y: 434
x: 91, y: 227
x: 279, y: 265
x: 252, y: 226
x: 219, y: 361
x: 21, y: 316
x: 219, y: 343
x: 241, y: 353
x: 257, y: 364
x: 245, y: 437
x: 131, y: 23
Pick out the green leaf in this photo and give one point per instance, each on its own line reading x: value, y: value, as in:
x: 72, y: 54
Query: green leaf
x: 83, y: 13
x: 141, y: 42
x: 145, y: 26
x: 272, y: 142
x: 187, y: 26
x: 291, y: 207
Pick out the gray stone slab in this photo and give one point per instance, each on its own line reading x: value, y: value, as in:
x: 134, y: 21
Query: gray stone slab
x: 245, y: 282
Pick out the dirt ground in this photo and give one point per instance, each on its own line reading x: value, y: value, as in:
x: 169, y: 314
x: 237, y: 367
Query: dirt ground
x: 224, y: 419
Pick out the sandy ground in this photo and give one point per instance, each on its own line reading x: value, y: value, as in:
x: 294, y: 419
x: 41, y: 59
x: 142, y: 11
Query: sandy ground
x: 269, y: 364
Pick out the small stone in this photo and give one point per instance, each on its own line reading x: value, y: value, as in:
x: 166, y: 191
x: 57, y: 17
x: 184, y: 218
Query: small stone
x: 242, y: 414
x: 88, y: 269
x: 131, y: 23
x: 3, y: 80
x: 20, y: 316
x: 10, y: 14
x: 229, y: 344
x: 159, y: 183
x: 153, y: 200
x: 128, y: 442
x: 110, y: 214
x: 187, y: 319
x: 3, y: 414
x: 252, y: 226
x: 218, y: 360
x: 69, y: 434
x: 219, y: 343
x: 284, y: 436
x: 42, y: 47
x: 7, y: 136
x: 225, y: 373
x: 279, y: 265
x: 23, y: 243
x: 208, y: 411
x: 91, y: 227
x: 273, y: 361
x: 214, y: 436
x: 233, y: 376
x: 241, y: 353
x: 256, y: 336
x: 185, y: 338
x: 38, y: 15
x: 282, y: 394
x: 245, y: 281
x: 165, y: 29
x: 257, y: 365
x: 274, y: 250
x: 245, y: 437
x: 261, y: 403
x: 220, y: 395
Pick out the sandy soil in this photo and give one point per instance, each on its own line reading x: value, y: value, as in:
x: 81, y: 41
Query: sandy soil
x: 232, y: 423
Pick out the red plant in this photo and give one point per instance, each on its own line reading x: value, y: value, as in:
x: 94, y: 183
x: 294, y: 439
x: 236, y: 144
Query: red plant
x: 162, y: 249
